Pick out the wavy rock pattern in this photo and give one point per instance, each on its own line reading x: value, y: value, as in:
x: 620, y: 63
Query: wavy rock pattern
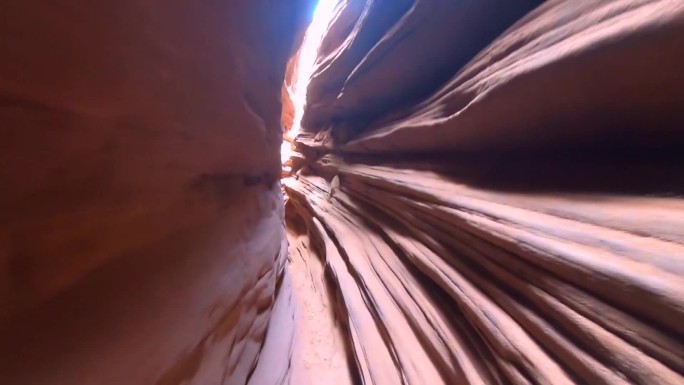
x: 570, y: 73
x: 517, y: 224
x: 478, y: 286
x: 485, y: 192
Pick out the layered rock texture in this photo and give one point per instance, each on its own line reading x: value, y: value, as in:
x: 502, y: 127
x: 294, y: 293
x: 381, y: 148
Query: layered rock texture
x: 508, y: 209
x: 482, y: 192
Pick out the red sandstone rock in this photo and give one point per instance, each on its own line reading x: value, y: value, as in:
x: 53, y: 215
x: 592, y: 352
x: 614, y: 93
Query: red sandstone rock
x: 611, y: 77
x: 141, y: 229
x: 468, y: 241
x: 483, y: 245
x: 398, y: 54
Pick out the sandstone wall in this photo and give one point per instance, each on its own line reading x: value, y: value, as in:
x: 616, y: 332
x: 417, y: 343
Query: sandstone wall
x: 141, y: 237
x: 521, y: 222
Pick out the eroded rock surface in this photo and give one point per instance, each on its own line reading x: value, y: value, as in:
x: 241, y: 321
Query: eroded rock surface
x: 141, y: 237
x: 506, y: 207
x: 522, y: 222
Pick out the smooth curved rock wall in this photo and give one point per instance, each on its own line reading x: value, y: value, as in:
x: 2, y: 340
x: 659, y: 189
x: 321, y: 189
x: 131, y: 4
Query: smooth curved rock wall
x: 141, y: 236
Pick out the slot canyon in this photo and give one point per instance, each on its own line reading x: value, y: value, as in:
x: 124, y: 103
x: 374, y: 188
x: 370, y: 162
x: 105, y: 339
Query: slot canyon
x: 264, y: 192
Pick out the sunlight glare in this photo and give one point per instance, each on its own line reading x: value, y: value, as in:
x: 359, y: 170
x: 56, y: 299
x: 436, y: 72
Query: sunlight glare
x: 305, y: 68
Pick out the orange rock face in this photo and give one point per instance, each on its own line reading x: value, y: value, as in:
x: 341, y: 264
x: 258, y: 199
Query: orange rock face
x: 516, y: 219
x: 485, y: 192
x: 141, y: 237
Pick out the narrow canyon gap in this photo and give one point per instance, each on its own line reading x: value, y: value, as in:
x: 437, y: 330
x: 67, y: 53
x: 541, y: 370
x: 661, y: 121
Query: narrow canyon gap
x: 469, y: 192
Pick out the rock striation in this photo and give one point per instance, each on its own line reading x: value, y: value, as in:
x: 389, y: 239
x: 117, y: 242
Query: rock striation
x: 482, y: 192
x: 511, y: 215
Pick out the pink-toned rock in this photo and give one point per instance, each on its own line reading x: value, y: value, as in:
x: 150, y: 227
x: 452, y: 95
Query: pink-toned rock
x: 484, y: 193
x: 609, y: 78
x: 141, y: 232
x: 400, y: 51
x: 522, y: 223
